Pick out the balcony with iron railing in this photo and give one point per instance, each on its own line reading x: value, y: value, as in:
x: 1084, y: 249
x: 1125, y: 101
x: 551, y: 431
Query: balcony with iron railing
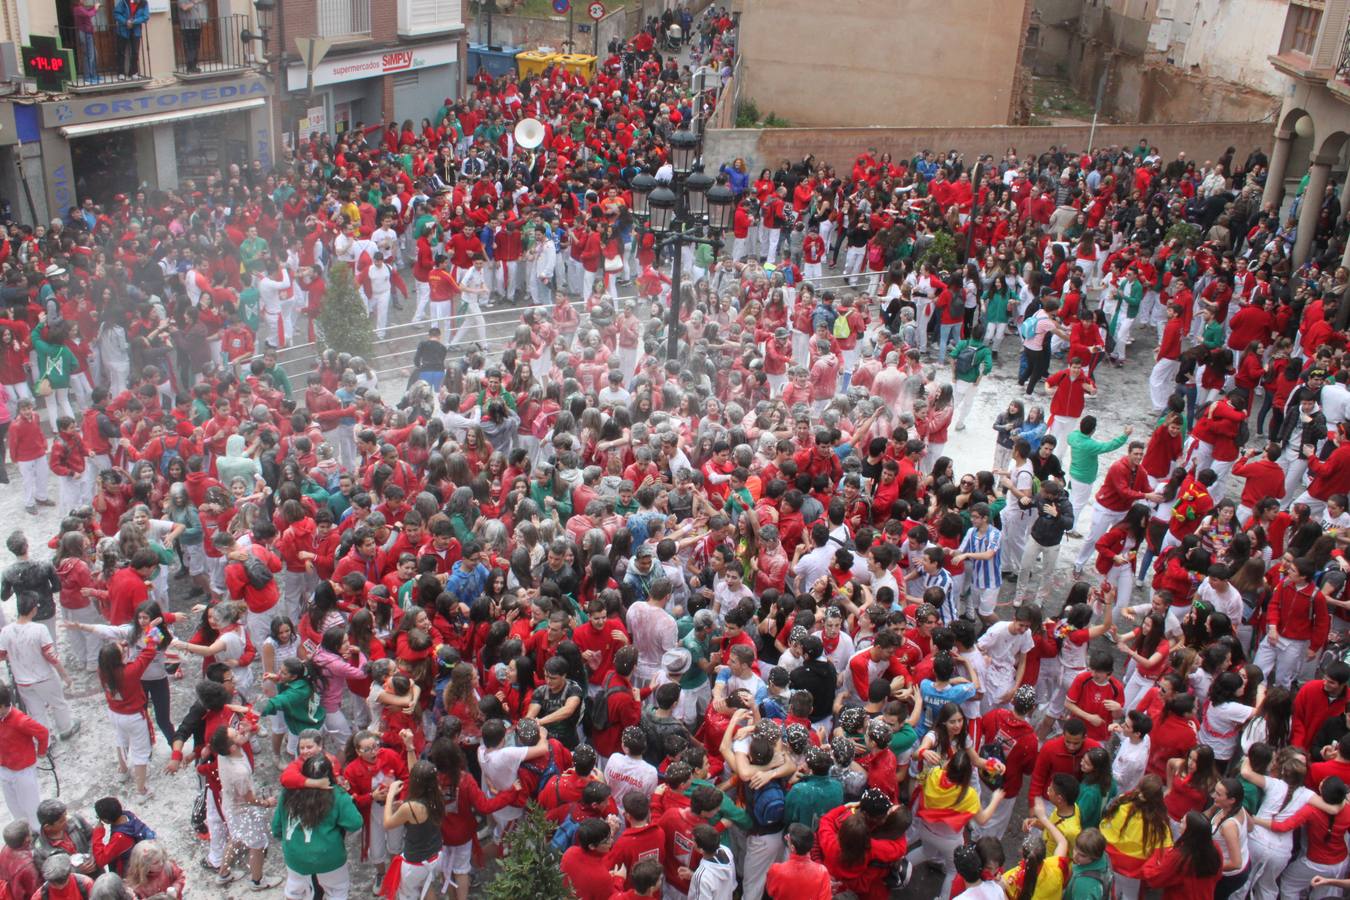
x: 343, y: 18
x: 211, y: 47
x: 1340, y: 81
x: 105, y: 60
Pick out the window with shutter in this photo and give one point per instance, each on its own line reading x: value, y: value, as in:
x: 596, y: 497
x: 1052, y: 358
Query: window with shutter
x: 423, y: 17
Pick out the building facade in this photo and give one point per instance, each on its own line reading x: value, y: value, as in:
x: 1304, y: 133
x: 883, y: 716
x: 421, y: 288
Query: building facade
x: 389, y: 60
x: 884, y: 62
x: 1314, y: 118
x: 194, y: 92
x: 1165, y: 60
x: 169, y: 96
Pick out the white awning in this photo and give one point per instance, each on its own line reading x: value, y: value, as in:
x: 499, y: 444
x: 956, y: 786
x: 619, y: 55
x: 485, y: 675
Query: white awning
x: 219, y: 109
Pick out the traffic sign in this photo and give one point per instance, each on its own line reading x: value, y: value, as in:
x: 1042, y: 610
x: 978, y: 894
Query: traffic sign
x: 561, y: 7
x: 597, y: 10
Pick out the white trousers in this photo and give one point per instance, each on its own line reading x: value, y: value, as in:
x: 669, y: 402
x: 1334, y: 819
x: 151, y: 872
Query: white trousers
x: 1016, y: 524
x: 965, y: 399
x: 1162, y: 382
x: 1102, y: 520
x: 1060, y: 429
x: 47, y: 704
x: 939, y: 845
x: 1297, y: 879
x: 761, y: 851
x: 82, y: 645
x: 34, y: 473
x: 378, y: 308
x: 423, y: 289
x: 1267, y: 865
x: 1287, y: 658
x: 1080, y: 494
x: 336, y: 884
x: 472, y: 321
x: 1028, y: 570
x: 22, y: 793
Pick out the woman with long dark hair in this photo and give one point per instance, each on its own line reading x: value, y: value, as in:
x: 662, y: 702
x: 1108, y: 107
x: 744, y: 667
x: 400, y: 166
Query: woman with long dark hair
x: 1135, y: 826
x: 419, y: 814
x: 948, y: 801
x: 312, y: 824
x: 1190, y: 868
x: 121, y: 682
x: 1147, y: 648
x: 1189, y: 781
x: 1230, y: 823
x: 1223, y: 715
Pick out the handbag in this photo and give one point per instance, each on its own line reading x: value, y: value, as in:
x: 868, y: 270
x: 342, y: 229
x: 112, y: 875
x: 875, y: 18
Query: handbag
x: 614, y: 264
x: 43, y: 387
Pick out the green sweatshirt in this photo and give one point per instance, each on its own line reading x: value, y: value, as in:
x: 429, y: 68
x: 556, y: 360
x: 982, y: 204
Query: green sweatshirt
x: 812, y: 797
x: 298, y: 704
x: 55, y: 362
x: 1089, y: 882
x: 1083, y: 454
x: 314, y: 851
x: 984, y: 361
x: 729, y: 811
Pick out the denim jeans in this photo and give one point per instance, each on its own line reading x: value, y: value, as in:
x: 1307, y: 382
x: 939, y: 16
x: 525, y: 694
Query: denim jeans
x: 947, y: 335
x: 88, y: 55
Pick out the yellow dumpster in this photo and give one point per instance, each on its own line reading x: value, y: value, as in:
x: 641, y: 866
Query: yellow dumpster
x: 534, y: 62
x: 581, y: 63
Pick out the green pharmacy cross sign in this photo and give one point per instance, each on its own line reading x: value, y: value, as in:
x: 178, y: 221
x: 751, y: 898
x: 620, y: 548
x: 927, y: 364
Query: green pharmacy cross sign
x: 48, y: 63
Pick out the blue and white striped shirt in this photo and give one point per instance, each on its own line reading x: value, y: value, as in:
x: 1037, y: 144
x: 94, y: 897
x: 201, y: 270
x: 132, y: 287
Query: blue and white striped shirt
x: 983, y: 573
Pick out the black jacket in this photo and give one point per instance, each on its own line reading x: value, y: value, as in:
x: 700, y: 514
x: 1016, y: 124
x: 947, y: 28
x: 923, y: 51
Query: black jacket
x: 1049, y: 530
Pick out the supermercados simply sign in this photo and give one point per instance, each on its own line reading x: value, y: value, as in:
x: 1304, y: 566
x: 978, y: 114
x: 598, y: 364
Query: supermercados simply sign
x: 371, y: 65
x: 103, y: 107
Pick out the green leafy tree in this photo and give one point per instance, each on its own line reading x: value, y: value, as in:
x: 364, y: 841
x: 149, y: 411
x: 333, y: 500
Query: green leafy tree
x: 344, y: 324
x: 941, y: 253
x: 1185, y: 233
x: 529, y: 867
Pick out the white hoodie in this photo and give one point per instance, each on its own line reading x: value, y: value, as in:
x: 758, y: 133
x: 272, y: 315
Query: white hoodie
x: 715, y: 877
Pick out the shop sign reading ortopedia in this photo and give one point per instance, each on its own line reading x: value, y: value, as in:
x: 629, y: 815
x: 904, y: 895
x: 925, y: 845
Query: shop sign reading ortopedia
x: 101, y: 108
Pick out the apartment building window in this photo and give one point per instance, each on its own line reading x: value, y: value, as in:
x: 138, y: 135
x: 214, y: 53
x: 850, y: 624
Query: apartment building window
x: 425, y: 17
x: 1301, y: 26
x: 343, y: 18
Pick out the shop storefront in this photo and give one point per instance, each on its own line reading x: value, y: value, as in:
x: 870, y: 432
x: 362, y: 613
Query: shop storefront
x: 351, y: 89
x: 100, y: 145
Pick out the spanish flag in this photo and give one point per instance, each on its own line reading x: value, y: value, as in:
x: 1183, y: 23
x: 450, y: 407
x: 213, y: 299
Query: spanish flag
x: 1125, y: 842
x: 949, y: 804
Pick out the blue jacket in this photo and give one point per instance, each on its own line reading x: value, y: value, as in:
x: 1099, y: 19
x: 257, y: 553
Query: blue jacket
x: 129, y: 23
x: 466, y: 585
x: 739, y: 182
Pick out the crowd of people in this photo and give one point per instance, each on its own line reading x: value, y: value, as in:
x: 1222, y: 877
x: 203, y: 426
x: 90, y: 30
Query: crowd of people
x: 716, y: 598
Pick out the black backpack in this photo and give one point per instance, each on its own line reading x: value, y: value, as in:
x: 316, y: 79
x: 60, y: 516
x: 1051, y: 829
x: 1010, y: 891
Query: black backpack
x: 966, y: 359
x: 259, y: 576
x: 599, y: 717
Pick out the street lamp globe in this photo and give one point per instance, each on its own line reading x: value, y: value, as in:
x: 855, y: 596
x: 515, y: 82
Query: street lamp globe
x: 684, y: 146
x: 696, y: 187
x: 642, y: 185
x: 721, y: 207
x: 662, y: 205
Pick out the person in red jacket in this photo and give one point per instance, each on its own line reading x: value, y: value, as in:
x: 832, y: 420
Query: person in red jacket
x: 645, y: 878
x: 1330, y: 476
x: 641, y: 841
x: 1316, y: 702
x: 121, y: 682
x: 1214, y: 437
x: 66, y: 459
x: 1296, y: 623
x: 680, y: 855
x: 1072, y: 386
x: 617, y: 693
x: 1060, y: 754
x: 1263, y: 477
x: 28, y: 449
x: 371, y: 770
x: 584, y: 866
x: 861, y: 842
x: 1125, y: 485
x: 22, y: 740
x: 1191, y: 868
x: 240, y: 582
x: 799, y: 876
x: 1167, y: 360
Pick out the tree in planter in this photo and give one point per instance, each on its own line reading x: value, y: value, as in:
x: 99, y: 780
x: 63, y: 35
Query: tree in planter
x: 941, y: 252
x: 529, y: 866
x: 344, y: 323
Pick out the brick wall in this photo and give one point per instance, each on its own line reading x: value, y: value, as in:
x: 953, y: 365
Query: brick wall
x: 840, y: 146
x: 384, y: 21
